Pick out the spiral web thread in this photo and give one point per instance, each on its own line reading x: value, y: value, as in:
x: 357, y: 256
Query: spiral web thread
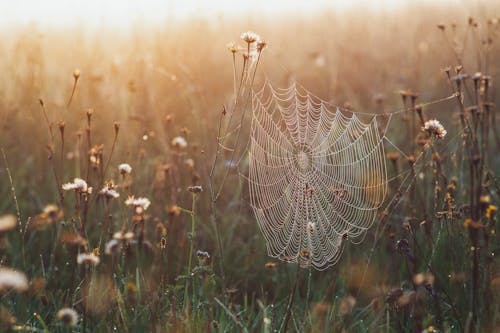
x: 317, y: 175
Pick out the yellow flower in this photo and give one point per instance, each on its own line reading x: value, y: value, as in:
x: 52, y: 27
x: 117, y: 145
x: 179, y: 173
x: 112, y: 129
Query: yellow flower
x: 490, y: 211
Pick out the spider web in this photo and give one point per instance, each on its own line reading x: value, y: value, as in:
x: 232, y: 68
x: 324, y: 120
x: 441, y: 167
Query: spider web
x: 317, y: 174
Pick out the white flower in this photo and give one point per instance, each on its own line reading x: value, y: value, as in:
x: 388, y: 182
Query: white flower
x: 121, y: 235
x: 111, y: 247
x: 125, y: 168
x: 250, y: 36
x: 7, y: 222
x: 78, y: 185
x: 67, y: 316
x: 138, y: 202
x: 12, y: 279
x: 434, y: 128
x: 311, y: 226
x: 179, y: 142
x: 109, y: 191
x: 88, y: 258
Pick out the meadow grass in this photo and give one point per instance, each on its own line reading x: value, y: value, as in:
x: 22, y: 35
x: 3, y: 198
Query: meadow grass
x: 181, y: 258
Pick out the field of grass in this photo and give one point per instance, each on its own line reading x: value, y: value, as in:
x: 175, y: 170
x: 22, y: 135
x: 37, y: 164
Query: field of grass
x: 78, y: 103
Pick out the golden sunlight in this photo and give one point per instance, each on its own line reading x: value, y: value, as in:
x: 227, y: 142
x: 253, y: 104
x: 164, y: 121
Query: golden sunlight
x: 125, y: 12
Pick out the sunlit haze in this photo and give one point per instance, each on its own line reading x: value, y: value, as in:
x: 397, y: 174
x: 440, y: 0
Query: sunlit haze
x: 125, y: 12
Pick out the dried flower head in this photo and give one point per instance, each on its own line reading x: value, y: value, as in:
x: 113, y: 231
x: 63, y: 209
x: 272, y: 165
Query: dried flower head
x: 249, y: 37
x: 76, y: 74
x: 89, y: 258
x: 73, y: 238
x: 173, y: 210
x: 202, y: 254
x: 271, y: 265
x: 195, y: 189
x: 179, y: 142
x: 67, y: 316
x: 125, y: 168
x: 232, y: 47
x: 78, y: 185
x: 434, y: 128
x: 11, y: 279
x: 261, y: 45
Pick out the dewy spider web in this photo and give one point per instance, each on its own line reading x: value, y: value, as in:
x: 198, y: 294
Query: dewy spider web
x: 317, y: 174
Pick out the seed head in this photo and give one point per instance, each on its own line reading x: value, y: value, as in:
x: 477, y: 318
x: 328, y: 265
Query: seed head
x: 250, y: 37
x: 109, y: 191
x: 195, y: 189
x: 12, y: 280
x: 434, y: 128
x: 233, y: 47
x: 179, y: 142
x: 125, y: 168
x: 141, y: 202
x: 76, y: 74
x: 78, y: 185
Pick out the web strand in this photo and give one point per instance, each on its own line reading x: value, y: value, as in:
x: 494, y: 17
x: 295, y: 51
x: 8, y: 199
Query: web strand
x: 317, y: 173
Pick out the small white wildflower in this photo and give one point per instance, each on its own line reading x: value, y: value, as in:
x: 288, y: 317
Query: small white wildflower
x: 111, y: 247
x: 179, y: 142
x: 12, y: 280
x: 78, y: 185
x: 311, y: 226
x: 109, y: 191
x: 125, y: 168
x: 138, y: 202
x: 88, y: 258
x: 67, y: 316
x: 250, y: 36
x: 434, y: 128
